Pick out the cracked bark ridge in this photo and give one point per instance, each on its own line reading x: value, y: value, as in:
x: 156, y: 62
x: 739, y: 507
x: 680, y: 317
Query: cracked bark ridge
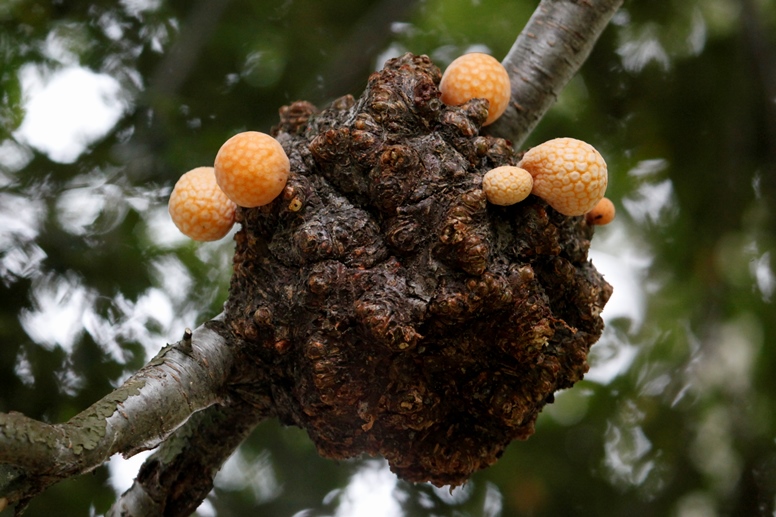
x: 395, y: 310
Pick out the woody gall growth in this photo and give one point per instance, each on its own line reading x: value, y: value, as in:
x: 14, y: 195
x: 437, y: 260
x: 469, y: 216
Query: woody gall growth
x: 387, y: 306
x: 386, y: 296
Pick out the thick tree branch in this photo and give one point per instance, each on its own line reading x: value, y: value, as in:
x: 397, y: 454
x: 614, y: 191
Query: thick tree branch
x: 548, y: 53
x: 182, y: 379
x: 178, y: 476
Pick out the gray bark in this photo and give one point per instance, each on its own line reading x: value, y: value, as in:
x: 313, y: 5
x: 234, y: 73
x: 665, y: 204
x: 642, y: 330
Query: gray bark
x: 182, y: 379
x: 552, y: 47
x: 179, y: 475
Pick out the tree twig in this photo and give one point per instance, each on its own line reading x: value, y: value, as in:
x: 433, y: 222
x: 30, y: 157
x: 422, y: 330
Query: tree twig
x: 178, y: 476
x: 182, y: 379
x: 546, y: 55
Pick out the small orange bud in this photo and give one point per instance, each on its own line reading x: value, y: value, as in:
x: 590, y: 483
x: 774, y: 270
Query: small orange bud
x: 602, y: 213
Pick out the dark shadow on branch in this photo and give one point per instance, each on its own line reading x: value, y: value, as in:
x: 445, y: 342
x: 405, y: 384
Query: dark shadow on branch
x: 178, y: 476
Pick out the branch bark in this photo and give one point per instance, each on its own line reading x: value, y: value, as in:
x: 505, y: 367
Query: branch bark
x: 182, y: 379
x: 549, y: 51
x: 179, y: 475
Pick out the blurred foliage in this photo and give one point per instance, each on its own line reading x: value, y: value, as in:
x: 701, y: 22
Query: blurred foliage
x: 679, y: 415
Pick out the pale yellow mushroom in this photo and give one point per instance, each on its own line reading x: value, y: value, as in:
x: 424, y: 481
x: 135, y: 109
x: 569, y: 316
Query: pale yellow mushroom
x: 507, y: 185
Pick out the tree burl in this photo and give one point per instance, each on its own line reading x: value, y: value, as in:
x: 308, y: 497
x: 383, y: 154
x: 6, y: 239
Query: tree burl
x: 385, y: 307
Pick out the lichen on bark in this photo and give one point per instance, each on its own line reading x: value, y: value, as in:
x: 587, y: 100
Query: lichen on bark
x: 394, y: 311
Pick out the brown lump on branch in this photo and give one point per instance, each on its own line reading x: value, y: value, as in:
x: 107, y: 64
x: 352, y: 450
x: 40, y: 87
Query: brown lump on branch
x: 393, y: 310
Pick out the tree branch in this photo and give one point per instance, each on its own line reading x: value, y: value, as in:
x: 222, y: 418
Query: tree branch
x: 548, y: 53
x: 182, y: 379
x: 179, y: 475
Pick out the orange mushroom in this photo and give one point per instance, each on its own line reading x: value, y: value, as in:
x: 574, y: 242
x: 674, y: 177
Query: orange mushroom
x: 252, y: 168
x: 199, y: 208
x: 602, y: 213
x: 569, y: 174
x: 477, y: 76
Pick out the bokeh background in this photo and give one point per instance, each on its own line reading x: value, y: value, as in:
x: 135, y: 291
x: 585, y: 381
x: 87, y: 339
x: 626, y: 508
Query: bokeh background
x: 103, y: 104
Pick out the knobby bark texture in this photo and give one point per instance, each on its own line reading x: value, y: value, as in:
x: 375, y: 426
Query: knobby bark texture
x: 380, y: 302
x: 398, y: 312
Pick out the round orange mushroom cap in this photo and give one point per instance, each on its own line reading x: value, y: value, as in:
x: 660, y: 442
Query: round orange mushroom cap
x: 569, y: 174
x: 252, y: 168
x: 477, y: 76
x: 507, y: 185
x: 602, y: 213
x: 199, y: 208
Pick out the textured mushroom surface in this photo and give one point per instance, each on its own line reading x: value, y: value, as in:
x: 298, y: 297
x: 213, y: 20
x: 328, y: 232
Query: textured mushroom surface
x: 251, y: 168
x: 199, y: 208
x: 477, y: 75
x: 569, y: 174
x: 387, y: 308
x: 507, y: 185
